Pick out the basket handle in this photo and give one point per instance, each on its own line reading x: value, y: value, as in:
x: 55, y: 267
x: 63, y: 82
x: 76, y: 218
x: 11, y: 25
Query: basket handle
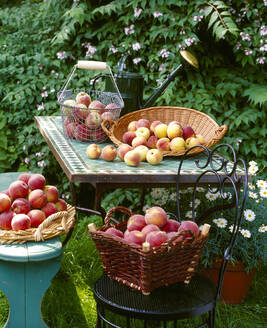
x: 219, y: 133
x: 105, y: 128
x: 38, y: 236
x: 121, y: 209
x: 91, y: 65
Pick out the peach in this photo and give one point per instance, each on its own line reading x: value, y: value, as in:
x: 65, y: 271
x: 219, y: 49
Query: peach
x: 51, y: 193
x: 37, y: 198
x: 174, y: 130
x: 61, y: 205
x: 171, y: 234
x: 36, y: 217
x: 149, y: 228
x: 201, y: 139
x: 128, y: 137
x: 126, y: 232
x: 6, y: 192
x: 93, y: 120
x: 188, y: 132
x: 20, y: 205
x: 36, y: 181
x: 190, y: 226
x: 111, y: 106
x: 156, y: 238
x: 98, y: 135
x: 96, y: 104
x: 132, y: 158
x: 24, y: 177
x: 171, y: 226
x: 163, y: 144
x: 18, y: 189
x: 70, y: 130
x: 142, y: 122
x: 138, y: 141
x: 135, y: 237
x: 114, y: 232
x: 5, y: 220
x: 123, y: 150
x: 160, y: 130
x: 132, y: 126
x: 154, y: 156
x: 109, y: 153
x: 175, y: 122
x: 20, y: 222
x: 177, y: 143
x: 82, y: 132
x: 49, y: 209
x: 156, y: 215
x: 191, y: 142
x: 143, y: 132
x: 83, y: 98
x: 154, y: 124
x: 93, y: 151
x: 136, y: 222
x: 80, y: 113
x: 107, y: 116
x: 152, y: 142
x: 67, y: 110
x: 5, y: 202
x: 142, y: 150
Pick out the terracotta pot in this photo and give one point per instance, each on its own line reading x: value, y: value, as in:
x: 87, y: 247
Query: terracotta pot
x: 236, y: 281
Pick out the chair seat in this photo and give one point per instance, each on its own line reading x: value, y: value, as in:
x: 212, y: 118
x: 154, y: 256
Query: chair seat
x: 176, y: 301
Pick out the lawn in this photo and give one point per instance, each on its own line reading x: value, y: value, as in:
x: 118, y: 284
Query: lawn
x: 69, y: 301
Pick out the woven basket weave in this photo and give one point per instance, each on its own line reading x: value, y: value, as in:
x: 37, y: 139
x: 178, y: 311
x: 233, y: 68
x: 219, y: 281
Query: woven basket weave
x: 200, y: 122
x: 145, y: 271
x: 55, y: 225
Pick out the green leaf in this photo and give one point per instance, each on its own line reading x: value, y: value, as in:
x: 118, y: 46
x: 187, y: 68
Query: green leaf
x: 213, y: 18
x: 257, y: 94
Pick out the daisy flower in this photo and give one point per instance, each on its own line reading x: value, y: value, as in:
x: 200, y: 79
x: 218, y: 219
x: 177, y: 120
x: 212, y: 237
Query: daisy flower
x: 252, y: 195
x: 200, y: 189
x: 252, y: 163
x: 161, y: 202
x: 211, y: 196
x: 261, y: 184
x: 173, y: 196
x: 251, y: 186
x: 156, y: 192
x: 252, y: 170
x: 221, y: 222
x: 231, y: 228
x: 197, y: 202
x: 189, y: 214
x: 262, y: 228
x: 145, y: 207
x: 245, y: 233
x: 263, y: 193
x: 249, y: 215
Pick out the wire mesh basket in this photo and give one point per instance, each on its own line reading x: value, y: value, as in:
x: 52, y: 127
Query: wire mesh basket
x: 84, y: 109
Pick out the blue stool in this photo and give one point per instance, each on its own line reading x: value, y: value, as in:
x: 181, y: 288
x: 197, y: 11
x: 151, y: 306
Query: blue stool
x: 25, y: 274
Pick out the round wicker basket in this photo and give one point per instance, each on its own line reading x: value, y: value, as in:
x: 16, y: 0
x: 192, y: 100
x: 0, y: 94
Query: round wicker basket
x: 200, y: 122
x: 55, y: 225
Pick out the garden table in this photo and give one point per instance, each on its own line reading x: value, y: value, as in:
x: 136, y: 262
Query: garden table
x: 102, y: 175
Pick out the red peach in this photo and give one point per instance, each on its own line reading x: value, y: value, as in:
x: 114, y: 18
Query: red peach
x: 107, y: 116
x: 149, y: 228
x: 188, y: 132
x: 24, y: 177
x: 37, y: 198
x: 190, y: 226
x: 18, y: 189
x: 83, y: 98
x: 36, y: 181
x: 171, y: 226
x: 156, y: 238
x: 138, y: 141
x: 142, y: 122
x: 61, y: 205
x: 172, y: 234
x: 37, y: 217
x: 109, y: 153
x: 20, y: 222
x: 111, y: 106
x: 82, y: 133
x: 135, y: 237
x: 80, y: 113
x: 142, y: 150
x: 5, y: 202
x: 51, y: 193
x: 96, y: 104
x: 6, y: 192
x: 93, y: 120
x: 70, y: 129
x: 5, y: 220
x: 156, y: 215
x: 152, y: 142
x: 132, y: 158
x: 132, y: 126
x: 114, y: 232
x: 163, y: 144
x: 136, y: 222
x: 128, y: 137
x: 98, y: 135
x: 154, y: 124
x: 20, y: 205
x: 123, y: 149
x: 49, y: 209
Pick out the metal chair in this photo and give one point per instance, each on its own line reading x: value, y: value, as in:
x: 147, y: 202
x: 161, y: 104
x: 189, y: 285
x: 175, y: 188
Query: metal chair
x: 180, y: 301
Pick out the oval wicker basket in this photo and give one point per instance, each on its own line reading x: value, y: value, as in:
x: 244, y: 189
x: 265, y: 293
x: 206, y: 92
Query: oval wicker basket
x: 200, y: 122
x: 55, y: 225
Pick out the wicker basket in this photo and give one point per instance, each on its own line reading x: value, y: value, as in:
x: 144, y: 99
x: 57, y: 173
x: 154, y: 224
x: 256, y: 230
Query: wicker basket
x: 55, y: 225
x: 142, y: 270
x: 200, y: 122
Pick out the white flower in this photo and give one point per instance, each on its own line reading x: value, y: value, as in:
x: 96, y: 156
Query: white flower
x: 129, y: 30
x: 145, y: 207
x: 252, y: 163
x: 136, y: 46
x: 41, y: 163
x: 157, y: 192
x: 90, y: 51
x: 227, y: 195
x: 249, y: 215
x: 27, y: 160
x: 173, y: 196
x: 261, y: 184
x: 137, y: 11
x: 196, y: 203
x: 40, y: 107
x: 164, y: 53
x: 246, y: 233
x: 157, y: 14
x: 262, y: 228
x: 221, y: 222
x: 211, y: 196
x: 136, y: 60
x: 113, y: 49
x: 61, y: 55
x: 231, y: 228
x: 252, y: 195
x: 39, y: 154
x: 200, y: 189
x: 161, y: 67
x: 252, y: 170
x: 248, y: 52
x: 263, y: 193
x: 251, y: 186
x: 165, y: 198
x: 44, y: 94
x: 161, y: 202
x: 189, y: 214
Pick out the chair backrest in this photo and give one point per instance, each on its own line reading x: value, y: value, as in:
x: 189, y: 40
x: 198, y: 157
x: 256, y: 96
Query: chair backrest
x: 228, y: 180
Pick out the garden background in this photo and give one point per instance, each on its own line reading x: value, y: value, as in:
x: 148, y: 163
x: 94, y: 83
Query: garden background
x: 40, y: 42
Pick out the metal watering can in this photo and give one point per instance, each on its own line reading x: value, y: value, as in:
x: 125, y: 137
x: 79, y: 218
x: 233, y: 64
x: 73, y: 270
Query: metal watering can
x: 131, y: 85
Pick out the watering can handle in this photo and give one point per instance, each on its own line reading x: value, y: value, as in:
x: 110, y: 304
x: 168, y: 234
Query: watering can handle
x: 91, y: 65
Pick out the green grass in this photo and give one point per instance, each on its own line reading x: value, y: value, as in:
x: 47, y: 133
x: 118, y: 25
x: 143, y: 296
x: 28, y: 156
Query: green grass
x: 69, y: 300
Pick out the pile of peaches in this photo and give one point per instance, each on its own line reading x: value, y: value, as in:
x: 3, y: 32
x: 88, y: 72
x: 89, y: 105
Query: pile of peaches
x: 155, y: 228
x: 28, y: 202
x: 82, y: 117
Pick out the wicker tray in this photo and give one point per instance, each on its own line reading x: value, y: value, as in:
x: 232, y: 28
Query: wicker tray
x: 142, y: 270
x: 200, y: 122
x: 55, y: 225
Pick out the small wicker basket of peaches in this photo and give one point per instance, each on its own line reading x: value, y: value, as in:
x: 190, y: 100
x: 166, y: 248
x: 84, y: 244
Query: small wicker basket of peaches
x: 147, y: 251
x: 169, y: 129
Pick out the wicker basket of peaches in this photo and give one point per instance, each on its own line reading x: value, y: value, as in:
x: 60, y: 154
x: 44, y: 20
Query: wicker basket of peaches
x: 32, y: 210
x: 169, y: 129
x: 148, y: 251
